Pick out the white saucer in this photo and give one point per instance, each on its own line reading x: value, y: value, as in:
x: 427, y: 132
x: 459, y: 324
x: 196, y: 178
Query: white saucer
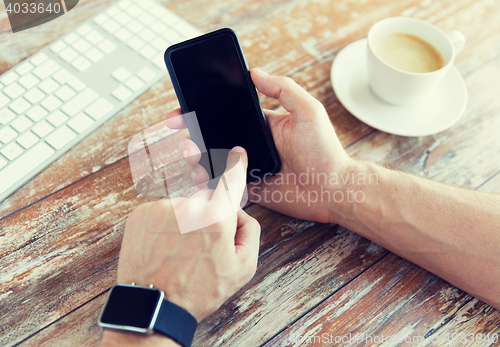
x: 437, y: 112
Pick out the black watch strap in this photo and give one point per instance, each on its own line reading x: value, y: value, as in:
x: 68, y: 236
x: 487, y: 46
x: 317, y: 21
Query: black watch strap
x: 176, y: 323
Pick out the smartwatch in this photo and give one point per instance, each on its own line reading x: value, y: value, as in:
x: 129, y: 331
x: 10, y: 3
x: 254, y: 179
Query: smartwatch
x: 144, y: 310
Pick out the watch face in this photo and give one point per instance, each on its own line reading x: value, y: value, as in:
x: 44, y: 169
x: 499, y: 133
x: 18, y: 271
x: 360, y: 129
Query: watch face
x: 131, y: 308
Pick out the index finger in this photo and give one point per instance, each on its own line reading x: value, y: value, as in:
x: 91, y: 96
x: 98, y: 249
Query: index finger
x: 232, y: 184
x: 175, y: 119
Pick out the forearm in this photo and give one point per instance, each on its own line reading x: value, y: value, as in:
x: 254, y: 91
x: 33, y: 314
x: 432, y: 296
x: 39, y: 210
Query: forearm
x: 454, y: 233
x: 112, y: 338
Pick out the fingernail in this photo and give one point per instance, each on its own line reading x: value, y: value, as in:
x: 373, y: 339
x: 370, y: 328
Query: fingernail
x: 260, y: 72
x: 185, y: 153
x: 193, y: 175
x: 238, y: 150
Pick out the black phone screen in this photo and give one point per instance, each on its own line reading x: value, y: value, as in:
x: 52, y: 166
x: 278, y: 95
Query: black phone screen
x: 214, y: 82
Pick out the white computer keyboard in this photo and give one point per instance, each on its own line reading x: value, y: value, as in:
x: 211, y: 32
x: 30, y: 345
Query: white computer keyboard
x: 57, y: 97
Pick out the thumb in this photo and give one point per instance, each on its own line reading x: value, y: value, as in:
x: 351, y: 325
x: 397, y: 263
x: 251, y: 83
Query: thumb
x: 291, y: 96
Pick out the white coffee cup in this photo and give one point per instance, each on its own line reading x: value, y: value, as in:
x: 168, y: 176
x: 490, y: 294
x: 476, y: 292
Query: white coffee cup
x: 401, y: 87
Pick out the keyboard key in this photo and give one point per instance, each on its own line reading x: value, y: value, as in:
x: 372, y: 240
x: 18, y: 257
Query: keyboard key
x: 101, y: 18
x: 121, y: 93
x: 3, y: 162
x: 7, y: 134
x: 123, y: 18
x: 24, y: 164
x: 3, y: 100
x: 110, y: 26
x: 57, y: 118
x: 146, y: 4
x: 58, y: 46
x: 147, y: 52
x: 146, y: 74
x: 135, y: 26
x: 79, y: 102
x: 99, y: 108
x: 37, y: 113
x: 39, y: 58
x: 34, y: 95
x: 159, y: 11
x: 27, y: 140
x: 75, y: 83
x: 134, y: 83
x: 80, y: 123
x: 6, y: 116
x: 158, y: 27
x: 68, y: 54
x: 171, y: 36
x: 24, y: 68
x: 94, y: 54
x: 135, y: 43
x: 94, y: 37
x: 124, y: 4
x: 146, y: 18
x: 14, y: 90
x: 134, y: 10
x: 28, y: 81
x: 12, y: 151
x: 107, y: 46
x: 121, y: 74
x: 187, y: 29
x: 81, y: 64
x: 81, y: 45
x: 46, y: 69
x: 147, y: 35
x: 84, y: 29
x: 123, y: 34
x: 50, y: 103
x: 19, y: 105
x: 21, y: 124
x: 65, y: 93
x: 8, y: 77
x: 112, y: 11
x: 64, y: 76
x: 48, y: 86
x: 42, y: 129
x: 61, y: 137
x: 159, y: 43
x: 71, y: 37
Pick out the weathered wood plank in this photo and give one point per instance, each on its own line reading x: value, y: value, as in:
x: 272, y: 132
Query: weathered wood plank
x: 282, y: 281
x: 464, y: 155
x: 397, y: 299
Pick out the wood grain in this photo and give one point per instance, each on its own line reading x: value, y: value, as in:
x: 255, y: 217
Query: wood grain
x: 384, y: 302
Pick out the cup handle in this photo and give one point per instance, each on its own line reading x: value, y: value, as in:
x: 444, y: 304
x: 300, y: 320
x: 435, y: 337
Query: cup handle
x: 457, y: 39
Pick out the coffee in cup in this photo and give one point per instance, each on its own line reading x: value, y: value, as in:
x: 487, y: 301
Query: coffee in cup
x: 409, y: 52
x: 407, y: 58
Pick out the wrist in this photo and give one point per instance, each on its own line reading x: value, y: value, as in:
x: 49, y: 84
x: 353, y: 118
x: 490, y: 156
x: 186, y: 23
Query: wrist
x: 115, y: 338
x: 351, y: 190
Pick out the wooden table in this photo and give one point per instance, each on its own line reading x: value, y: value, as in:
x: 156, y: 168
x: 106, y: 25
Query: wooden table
x: 60, y: 233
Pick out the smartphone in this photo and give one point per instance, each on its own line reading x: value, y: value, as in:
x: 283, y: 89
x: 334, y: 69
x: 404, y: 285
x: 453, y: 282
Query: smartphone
x: 212, y: 81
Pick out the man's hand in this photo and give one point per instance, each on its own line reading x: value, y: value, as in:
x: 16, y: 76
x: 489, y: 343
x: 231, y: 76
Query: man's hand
x: 198, y: 270
x: 309, y: 149
x: 201, y: 269
x: 310, y: 152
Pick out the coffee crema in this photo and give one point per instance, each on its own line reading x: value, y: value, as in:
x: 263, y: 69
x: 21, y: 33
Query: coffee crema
x: 409, y: 52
